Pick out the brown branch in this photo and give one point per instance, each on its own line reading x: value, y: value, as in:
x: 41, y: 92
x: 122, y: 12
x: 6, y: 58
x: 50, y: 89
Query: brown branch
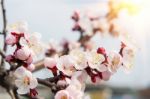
x: 46, y: 83
x: 39, y: 65
x: 4, y: 29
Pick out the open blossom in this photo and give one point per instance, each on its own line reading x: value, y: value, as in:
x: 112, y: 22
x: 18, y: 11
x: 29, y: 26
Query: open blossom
x: 80, y: 58
x: 95, y: 61
x: 19, y: 27
x: 128, y: 57
x: 23, y: 53
x: 73, y: 91
x: 114, y: 61
x: 62, y: 94
x: 66, y: 65
x: 33, y: 42
x: 25, y: 80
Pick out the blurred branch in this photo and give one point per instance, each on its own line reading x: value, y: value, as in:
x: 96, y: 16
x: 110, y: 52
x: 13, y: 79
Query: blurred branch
x: 2, y: 53
x: 39, y: 65
x: 4, y: 29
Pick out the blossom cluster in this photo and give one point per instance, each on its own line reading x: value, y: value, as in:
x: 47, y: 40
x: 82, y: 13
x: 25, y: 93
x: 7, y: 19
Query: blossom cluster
x: 78, y: 65
x: 26, y: 46
x: 72, y: 63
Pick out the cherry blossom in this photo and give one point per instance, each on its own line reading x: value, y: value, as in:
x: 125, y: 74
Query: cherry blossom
x: 25, y: 80
x: 114, y: 61
x: 11, y: 39
x: 33, y: 41
x: 23, y: 53
x: 80, y: 58
x: 66, y: 64
x: 18, y: 27
x: 95, y: 61
x: 62, y: 94
x: 128, y: 57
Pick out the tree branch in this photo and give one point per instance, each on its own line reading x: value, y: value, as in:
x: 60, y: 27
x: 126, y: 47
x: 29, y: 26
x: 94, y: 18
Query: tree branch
x: 4, y: 29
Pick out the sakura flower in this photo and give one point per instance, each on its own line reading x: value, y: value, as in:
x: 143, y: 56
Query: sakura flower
x: 11, y: 39
x: 24, y: 80
x: 128, y: 57
x: 66, y: 65
x: 74, y: 92
x: 23, y: 53
x: 95, y: 61
x: 62, y: 94
x: 19, y: 27
x: 71, y: 92
x: 114, y: 61
x: 33, y: 42
x: 80, y: 59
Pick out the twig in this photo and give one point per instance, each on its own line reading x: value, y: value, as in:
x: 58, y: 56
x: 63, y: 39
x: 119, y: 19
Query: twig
x: 46, y: 83
x: 2, y: 53
x: 4, y: 29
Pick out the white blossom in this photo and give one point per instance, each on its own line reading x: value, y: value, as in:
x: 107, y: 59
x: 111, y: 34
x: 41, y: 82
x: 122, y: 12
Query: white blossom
x: 24, y: 80
x: 95, y: 61
x: 80, y: 58
x: 66, y: 65
x: 128, y: 58
x: 19, y: 27
x: 114, y: 61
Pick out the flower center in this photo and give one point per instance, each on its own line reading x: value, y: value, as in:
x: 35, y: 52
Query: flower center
x: 26, y: 80
x: 64, y: 97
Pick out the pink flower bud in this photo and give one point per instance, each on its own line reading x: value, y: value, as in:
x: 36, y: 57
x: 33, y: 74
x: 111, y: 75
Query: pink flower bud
x: 11, y: 40
x: 106, y: 75
x: 23, y: 53
x: 101, y: 50
x: 30, y: 59
x: 31, y: 67
x: 50, y: 62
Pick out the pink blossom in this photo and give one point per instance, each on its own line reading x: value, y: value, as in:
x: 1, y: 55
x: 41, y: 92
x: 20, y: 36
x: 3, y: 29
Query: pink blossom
x: 50, y: 62
x: 23, y: 53
x: 31, y: 67
x: 66, y: 65
x: 11, y: 39
x: 62, y: 94
x: 106, y: 75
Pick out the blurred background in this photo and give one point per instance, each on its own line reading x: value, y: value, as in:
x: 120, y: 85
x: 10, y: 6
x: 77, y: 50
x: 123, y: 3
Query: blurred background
x: 52, y: 19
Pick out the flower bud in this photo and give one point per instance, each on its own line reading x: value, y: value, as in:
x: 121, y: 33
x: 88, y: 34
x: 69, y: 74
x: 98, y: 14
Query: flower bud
x: 11, y: 40
x: 23, y: 53
x: 50, y: 62
x: 31, y: 67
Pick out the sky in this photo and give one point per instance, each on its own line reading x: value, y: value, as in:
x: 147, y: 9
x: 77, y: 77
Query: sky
x: 52, y: 19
